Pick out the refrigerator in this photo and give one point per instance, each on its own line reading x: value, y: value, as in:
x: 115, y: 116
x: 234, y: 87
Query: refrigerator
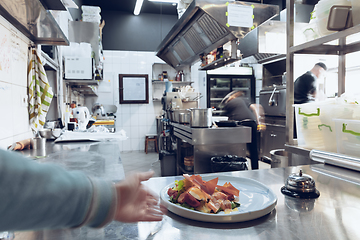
x: 220, y: 82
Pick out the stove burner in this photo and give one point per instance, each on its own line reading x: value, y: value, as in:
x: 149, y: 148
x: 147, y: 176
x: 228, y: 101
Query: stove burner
x: 294, y: 194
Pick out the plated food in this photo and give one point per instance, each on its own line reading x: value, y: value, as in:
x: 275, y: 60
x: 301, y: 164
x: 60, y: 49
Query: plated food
x: 194, y: 193
x: 256, y: 200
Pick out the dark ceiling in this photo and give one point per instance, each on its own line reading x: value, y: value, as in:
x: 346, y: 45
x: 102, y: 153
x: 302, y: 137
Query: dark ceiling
x: 129, y: 5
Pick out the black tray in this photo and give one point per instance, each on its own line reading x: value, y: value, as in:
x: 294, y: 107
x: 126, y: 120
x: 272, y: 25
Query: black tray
x: 229, y: 123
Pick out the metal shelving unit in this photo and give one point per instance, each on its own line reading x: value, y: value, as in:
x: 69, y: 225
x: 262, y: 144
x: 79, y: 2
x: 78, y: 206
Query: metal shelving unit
x: 339, y: 43
x: 84, y: 87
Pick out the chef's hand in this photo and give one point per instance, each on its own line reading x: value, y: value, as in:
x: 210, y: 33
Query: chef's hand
x: 136, y: 203
x: 261, y: 127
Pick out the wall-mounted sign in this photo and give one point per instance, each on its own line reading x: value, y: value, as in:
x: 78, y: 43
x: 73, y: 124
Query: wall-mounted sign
x: 240, y: 15
x: 134, y: 88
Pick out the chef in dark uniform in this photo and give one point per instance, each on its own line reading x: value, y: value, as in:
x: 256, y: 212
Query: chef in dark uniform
x: 239, y: 108
x: 305, y: 86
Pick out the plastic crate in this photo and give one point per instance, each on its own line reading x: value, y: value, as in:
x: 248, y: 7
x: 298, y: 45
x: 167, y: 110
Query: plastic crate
x: 348, y: 136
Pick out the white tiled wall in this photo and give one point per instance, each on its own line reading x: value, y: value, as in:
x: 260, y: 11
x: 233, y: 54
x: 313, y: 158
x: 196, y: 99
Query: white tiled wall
x: 136, y: 119
x: 14, y: 120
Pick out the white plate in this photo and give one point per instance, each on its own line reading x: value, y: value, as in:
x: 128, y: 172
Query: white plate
x: 256, y: 201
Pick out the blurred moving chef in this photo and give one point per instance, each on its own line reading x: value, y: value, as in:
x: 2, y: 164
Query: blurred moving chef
x: 238, y: 108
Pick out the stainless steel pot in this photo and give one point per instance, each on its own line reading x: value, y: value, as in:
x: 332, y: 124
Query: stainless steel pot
x: 176, y: 114
x: 200, y: 117
x: 184, y: 117
x: 49, y: 133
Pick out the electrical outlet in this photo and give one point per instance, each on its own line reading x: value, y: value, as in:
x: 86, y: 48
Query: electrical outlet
x: 24, y: 101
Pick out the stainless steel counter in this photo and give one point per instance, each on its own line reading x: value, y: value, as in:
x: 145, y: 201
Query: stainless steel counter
x: 210, y: 136
x: 331, y: 216
x: 334, y: 215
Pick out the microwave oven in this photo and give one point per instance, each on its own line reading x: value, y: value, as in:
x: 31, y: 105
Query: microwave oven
x: 79, y: 68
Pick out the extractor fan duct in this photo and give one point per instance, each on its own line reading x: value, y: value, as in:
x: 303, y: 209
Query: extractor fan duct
x: 209, y: 24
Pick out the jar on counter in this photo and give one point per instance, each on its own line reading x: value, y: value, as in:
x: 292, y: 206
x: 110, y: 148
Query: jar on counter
x: 189, y: 163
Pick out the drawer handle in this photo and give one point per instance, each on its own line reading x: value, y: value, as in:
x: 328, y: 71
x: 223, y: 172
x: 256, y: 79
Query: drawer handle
x: 310, y: 114
x: 324, y: 125
x: 349, y: 131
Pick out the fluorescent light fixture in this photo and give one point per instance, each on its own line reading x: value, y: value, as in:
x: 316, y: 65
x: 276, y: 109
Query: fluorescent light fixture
x: 165, y: 1
x: 138, y: 6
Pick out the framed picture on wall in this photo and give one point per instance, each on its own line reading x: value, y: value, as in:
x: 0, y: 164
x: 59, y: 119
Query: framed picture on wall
x: 133, y: 88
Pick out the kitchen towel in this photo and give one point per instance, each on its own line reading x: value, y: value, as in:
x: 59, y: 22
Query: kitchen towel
x: 40, y: 92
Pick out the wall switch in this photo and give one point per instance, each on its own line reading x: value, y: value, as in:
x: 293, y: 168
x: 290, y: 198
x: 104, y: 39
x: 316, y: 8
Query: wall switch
x: 24, y: 101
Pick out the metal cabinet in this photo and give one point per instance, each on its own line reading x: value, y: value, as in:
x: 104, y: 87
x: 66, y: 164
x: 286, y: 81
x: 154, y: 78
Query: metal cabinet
x: 274, y: 137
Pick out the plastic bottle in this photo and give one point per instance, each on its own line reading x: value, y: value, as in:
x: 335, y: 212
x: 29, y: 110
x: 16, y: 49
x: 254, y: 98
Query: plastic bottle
x: 67, y: 115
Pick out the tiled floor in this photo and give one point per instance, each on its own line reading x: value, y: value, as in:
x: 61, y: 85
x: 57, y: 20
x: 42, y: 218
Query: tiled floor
x: 140, y: 161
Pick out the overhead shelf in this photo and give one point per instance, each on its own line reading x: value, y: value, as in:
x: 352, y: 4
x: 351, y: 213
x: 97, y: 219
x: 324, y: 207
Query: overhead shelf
x: 81, y: 82
x: 326, y: 44
x: 176, y: 82
x: 49, y: 63
x: 219, y: 63
x: 88, y: 91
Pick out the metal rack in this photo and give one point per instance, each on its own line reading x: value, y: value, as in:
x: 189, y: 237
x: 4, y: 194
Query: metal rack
x: 85, y: 87
x: 339, y: 43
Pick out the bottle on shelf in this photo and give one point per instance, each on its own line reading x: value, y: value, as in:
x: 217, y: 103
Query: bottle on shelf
x: 165, y: 76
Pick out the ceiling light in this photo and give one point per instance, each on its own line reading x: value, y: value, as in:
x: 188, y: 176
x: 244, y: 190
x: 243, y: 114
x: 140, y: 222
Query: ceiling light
x: 165, y: 1
x: 138, y: 6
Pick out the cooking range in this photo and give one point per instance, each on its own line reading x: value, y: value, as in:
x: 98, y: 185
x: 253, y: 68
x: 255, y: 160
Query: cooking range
x: 273, y: 100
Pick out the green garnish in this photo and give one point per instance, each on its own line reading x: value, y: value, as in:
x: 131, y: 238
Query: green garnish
x: 234, y: 205
x: 179, y: 184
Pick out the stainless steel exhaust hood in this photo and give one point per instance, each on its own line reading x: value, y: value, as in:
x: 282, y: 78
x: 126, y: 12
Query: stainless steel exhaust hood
x: 34, y: 21
x: 204, y: 27
x: 267, y: 42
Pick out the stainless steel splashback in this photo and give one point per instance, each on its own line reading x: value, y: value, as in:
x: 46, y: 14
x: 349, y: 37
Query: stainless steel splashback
x: 34, y: 21
x: 204, y: 27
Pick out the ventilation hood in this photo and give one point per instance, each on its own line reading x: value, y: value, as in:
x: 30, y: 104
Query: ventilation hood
x: 209, y: 24
x: 34, y: 20
x: 267, y: 42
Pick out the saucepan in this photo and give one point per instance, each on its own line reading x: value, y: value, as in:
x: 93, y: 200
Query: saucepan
x: 200, y: 117
x: 49, y: 133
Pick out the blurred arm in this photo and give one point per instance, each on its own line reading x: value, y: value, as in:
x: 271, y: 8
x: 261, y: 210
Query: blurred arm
x: 258, y: 110
x: 46, y: 196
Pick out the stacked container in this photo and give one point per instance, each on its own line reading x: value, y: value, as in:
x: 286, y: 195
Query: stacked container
x: 91, y: 14
x: 307, y: 126
x: 348, y: 136
x: 320, y: 16
x: 331, y: 125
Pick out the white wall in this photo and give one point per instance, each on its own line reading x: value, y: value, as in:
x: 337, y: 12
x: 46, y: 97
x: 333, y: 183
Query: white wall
x: 14, y: 120
x: 136, y: 119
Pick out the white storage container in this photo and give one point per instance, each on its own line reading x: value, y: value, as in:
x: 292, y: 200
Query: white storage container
x: 90, y: 10
x: 91, y: 18
x: 309, y: 133
x: 328, y: 111
x: 322, y: 8
x: 348, y: 136
x: 321, y: 24
x: 321, y: 14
